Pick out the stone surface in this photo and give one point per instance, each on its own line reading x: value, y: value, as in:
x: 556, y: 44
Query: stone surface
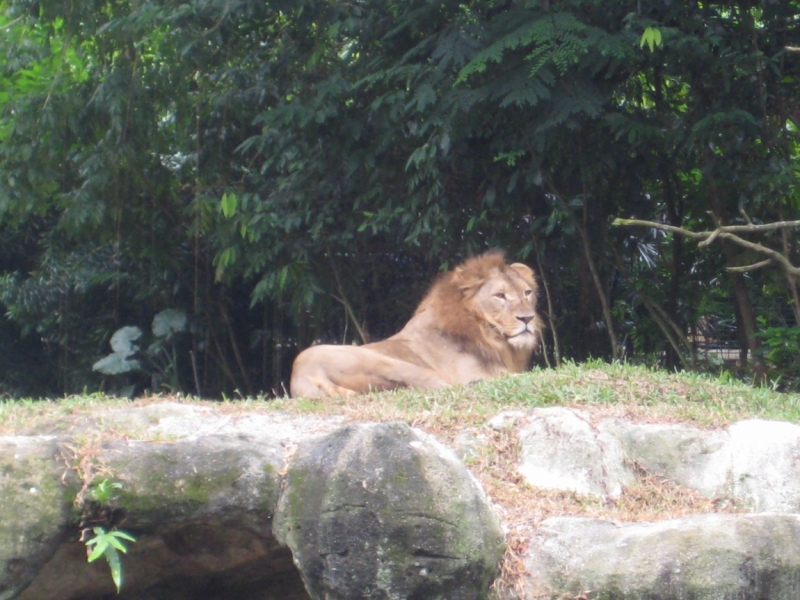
x: 201, y: 490
x: 696, y: 458
x: 702, y: 557
x: 196, y: 479
x: 753, y: 462
x: 201, y: 509
x: 764, y: 458
x: 562, y: 449
x: 34, y: 508
x: 194, y: 561
x: 384, y: 511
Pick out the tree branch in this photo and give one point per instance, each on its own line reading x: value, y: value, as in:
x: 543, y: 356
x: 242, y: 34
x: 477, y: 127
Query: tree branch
x: 704, y: 234
x: 726, y: 232
x: 753, y: 267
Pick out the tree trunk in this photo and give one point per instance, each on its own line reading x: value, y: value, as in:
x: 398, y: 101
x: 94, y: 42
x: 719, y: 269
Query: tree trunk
x: 740, y: 292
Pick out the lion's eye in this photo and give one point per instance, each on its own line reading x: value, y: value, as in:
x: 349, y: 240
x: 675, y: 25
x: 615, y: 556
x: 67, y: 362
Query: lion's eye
x: 528, y: 293
x: 500, y: 296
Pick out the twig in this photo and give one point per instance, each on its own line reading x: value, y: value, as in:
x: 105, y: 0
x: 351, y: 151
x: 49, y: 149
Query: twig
x: 224, y: 313
x: 343, y: 300
x: 550, y: 313
x: 197, y: 387
x: 11, y: 23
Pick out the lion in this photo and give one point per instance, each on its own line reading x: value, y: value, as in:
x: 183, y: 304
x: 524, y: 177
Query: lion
x: 478, y: 321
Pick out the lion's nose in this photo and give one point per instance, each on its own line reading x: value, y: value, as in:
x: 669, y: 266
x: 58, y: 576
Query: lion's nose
x: 526, y: 319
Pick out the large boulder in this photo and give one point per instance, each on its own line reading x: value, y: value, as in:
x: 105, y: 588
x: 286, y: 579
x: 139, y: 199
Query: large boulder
x: 693, y: 457
x: 34, y: 509
x: 762, y: 460
x: 201, y: 509
x: 384, y: 511
x: 704, y: 557
x: 752, y: 462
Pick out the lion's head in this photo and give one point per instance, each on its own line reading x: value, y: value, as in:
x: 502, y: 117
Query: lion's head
x: 490, y: 306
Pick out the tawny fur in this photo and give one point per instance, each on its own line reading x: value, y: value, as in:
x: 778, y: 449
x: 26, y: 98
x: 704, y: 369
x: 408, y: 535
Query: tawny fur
x: 477, y: 321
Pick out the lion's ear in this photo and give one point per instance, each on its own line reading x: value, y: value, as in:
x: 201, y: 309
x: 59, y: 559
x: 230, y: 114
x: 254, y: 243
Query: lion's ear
x: 463, y: 279
x: 522, y: 270
x: 460, y: 278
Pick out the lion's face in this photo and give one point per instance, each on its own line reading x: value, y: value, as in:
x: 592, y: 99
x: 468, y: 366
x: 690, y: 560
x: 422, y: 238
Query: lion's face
x: 507, y: 301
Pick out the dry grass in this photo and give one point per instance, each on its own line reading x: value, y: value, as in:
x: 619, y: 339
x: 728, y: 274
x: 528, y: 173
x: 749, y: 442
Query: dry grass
x: 651, y: 498
x: 523, y: 507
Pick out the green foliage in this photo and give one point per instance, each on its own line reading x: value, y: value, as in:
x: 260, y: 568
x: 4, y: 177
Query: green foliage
x: 228, y: 205
x: 780, y: 350
x: 652, y: 37
x: 108, y: 544
x: 160, y: 359
x: 103, y: 491
x: 557, y: 38
x: 277, y: 170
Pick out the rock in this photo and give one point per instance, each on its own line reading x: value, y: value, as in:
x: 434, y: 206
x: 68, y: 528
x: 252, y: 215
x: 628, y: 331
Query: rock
x: 746, y: 557
x: 192, y: 561
x: 201, y: 510
x: 696, y: 458
x: 34, y: 509
x: 762, y: 461
x: 208, y: 479
x: 753, y: 462
x: 506, y: 419
x: 201, y: 492
x: 562, y: 449
x: 469, y: 445
x: 384, y: 511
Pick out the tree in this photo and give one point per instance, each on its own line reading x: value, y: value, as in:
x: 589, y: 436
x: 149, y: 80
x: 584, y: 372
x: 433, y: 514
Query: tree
x: 291, y: 172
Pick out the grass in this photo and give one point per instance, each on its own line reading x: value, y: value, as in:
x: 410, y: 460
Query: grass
x: 631, y: 392
x: 623, y: 390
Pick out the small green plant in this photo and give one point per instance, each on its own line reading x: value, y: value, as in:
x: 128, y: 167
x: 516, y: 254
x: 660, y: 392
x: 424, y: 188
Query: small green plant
x: 103, y: 492
x: 109, y: 544
x: 98, y: 518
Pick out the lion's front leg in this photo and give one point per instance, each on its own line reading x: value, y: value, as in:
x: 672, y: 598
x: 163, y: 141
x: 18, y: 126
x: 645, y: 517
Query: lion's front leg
x: 344, y: 370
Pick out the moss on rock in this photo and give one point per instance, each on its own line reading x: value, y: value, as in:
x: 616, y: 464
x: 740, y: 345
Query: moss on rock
x: 188, y: 479
x: 34, y: 508
x: 382, y: 510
